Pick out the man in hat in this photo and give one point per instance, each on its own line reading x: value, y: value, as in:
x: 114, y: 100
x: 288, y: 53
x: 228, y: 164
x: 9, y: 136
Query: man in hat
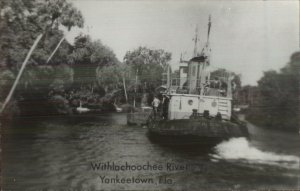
x: 155, y: 105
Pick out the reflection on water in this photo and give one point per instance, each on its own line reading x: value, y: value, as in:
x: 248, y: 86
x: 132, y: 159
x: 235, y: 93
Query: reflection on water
x: 56, y: 153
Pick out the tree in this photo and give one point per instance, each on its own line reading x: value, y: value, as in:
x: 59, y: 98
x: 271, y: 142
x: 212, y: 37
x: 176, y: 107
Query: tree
x: 21, y: 22
x: 56, y: 12
x: 148, y: 65
x: 6, y: 81
x: 278, y: 103
x: 110, y: 77
x: 88, y: 57
x: 223, y: 74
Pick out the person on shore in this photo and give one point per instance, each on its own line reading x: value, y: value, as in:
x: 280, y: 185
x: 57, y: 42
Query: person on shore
x: 155, y: 105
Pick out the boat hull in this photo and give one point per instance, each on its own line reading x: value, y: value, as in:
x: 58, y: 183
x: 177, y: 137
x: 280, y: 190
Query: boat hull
x: 183, y: 140
x: 205, y: 132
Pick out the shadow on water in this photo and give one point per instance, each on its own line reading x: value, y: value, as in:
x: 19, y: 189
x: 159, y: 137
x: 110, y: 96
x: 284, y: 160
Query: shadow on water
x: 192, y: 149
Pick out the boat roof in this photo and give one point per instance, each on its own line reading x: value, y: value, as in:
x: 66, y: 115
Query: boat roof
x: 198, y: 59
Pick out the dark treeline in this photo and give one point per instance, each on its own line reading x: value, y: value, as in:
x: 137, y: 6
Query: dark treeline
x: 86, y: 72
x: 274, y: 103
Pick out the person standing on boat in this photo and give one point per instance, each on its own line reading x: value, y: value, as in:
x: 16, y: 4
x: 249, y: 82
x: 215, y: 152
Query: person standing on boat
x: 155, y: 105
x: 165, y: 106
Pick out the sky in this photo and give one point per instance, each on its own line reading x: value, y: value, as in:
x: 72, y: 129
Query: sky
x: 247, y: 37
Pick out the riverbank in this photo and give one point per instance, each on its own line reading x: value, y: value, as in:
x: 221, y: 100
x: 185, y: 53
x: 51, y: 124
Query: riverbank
x: 279, y: 123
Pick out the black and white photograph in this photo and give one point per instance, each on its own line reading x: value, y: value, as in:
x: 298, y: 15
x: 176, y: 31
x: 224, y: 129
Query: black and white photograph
x: 149, y: 95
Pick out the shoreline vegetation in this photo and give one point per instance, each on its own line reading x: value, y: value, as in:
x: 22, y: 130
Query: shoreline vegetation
x: 86, y: 74
x: 274, y: 102
x: 61, y: 77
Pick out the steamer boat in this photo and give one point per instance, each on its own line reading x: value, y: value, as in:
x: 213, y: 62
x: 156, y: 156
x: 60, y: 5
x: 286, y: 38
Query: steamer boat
x: 195, y: 108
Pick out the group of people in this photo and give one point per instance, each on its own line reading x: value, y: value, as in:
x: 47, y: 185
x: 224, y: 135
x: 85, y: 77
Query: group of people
x: 161, y: 107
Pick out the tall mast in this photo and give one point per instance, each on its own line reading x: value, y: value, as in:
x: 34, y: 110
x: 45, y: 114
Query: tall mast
x: 168, y: 77
x: 196, y: 41
x: 136, y: 78
x: 208, y: 31
x: 208, y: 50
x: 205, y: 49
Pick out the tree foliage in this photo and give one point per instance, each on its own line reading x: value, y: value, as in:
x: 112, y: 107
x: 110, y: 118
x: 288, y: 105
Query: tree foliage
x: 236, y: 84
x: 277, y: 105
x: 6, y: 81
x: 83, y: 72
x: 223, y: 74
x: 21, y: 22
x: 89, y: 56
x: 148, y: 64
x: 110, y: 77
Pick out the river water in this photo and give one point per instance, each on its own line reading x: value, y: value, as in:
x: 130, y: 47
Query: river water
x: 61, y: 153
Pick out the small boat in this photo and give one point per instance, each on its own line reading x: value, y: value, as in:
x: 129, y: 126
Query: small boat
x: 117, y: 108
x: 81, y: 109
x: 197, y: 110
x: 237, y: 109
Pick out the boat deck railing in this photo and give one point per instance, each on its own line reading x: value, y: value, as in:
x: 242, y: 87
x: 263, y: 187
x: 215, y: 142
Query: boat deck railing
x: 211, y: 87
